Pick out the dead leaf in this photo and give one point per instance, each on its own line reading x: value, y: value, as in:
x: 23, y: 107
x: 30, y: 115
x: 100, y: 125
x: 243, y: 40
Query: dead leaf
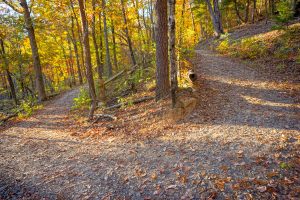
x: 171, y: 187
x: 262, y: 188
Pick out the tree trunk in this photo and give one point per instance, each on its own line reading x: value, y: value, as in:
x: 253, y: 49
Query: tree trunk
x: 180, y: 38
x: 101, y: 82
x: 108, y: 62
x: 9, y: 78
x: 215, y: 17
x: 253, y: 12
x: 172, y: 53
x: 127, y: 34
x: 100, y: 71
x: 74, y: 41
x: 247, y: 11
x: 35, y: 54
x: 71, y: 62
x: 114, y: 44
x: 237, y: 11
x: 193, y: 22
x: 161, y: 33
x: 66, y: 61
x: 80, y: 40
x: 87, y: 52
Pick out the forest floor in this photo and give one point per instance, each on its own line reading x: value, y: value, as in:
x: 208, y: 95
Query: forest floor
x: 241, y: 142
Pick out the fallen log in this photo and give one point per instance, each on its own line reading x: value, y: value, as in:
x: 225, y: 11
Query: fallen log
x: 143, y: 99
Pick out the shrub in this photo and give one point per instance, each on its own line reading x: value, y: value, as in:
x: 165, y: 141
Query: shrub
x: 285, y: 13
x: 83, y: 100
x: 223, y: 47
x: 28, y: 106
x: 252, y: 48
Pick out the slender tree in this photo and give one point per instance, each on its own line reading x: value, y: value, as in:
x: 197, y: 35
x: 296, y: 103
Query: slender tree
x: 88, y: 62
x: 215, y: 15
x: 98, y: 61
x: 172, y: 53
x: 127, y: 34
x: 107, y: 54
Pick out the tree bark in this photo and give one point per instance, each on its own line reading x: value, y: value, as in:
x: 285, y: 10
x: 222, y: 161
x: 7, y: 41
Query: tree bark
x: 161, y: 33
x: 172, y: 53
x: 108, y: 62
x: 127, y: 34
x: 34, y: 50
x: 88, y: 62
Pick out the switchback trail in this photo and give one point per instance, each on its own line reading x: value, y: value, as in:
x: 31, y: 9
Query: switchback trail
x: 243, y: 144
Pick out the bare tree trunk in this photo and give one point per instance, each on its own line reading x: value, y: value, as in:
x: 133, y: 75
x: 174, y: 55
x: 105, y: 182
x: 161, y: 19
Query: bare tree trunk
x: 74, y: 41
x: 247, y: 11
x: 114, y: 45
x: 71, y: 62
x: 172, y: 53
x: 80, y: 41
x: 66, y: 61
x: 108, y: 62
x: 88, y: 62
x: 180, y: 38
x: 215, y: 17
x: 101, y: 82
x: 253, y: 11
x: 193, y: 22
x: 35, y: 54
x: 161, y: 33
x: 127, y: 34
x: 9, y: 78
x: 100, y: 71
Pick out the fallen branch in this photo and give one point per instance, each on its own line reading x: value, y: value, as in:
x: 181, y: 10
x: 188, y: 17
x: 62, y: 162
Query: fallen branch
x: 114, y: 77
x: 104, y: 116
x: 143, y: 99
x: 8, y: 117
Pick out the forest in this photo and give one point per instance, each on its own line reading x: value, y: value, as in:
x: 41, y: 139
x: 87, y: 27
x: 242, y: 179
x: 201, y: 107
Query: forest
x: 149, y: 99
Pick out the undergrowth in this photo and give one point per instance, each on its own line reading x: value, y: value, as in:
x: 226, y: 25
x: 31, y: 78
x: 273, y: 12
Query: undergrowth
x: 283, y: 44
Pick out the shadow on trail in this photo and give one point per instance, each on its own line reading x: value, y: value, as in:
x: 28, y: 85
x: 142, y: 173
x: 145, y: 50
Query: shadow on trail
x: 223, y: 103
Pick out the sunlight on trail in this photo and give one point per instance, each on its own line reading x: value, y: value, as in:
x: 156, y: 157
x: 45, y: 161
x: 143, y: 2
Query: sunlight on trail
x: 255, y: 84
x: 262, y: 102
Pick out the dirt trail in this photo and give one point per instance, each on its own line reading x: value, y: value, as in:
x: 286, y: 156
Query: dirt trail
x: 243, y: 144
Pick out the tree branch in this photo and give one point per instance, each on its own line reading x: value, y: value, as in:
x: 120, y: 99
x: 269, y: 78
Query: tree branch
x: 12, y: 6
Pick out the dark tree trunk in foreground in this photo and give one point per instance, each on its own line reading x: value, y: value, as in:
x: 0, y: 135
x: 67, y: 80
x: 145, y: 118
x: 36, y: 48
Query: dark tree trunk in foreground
x: 172, y: 53
x: 215, y: 15
x: 161, y: 33
x: 88, y: 62
x: 35, y: 54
